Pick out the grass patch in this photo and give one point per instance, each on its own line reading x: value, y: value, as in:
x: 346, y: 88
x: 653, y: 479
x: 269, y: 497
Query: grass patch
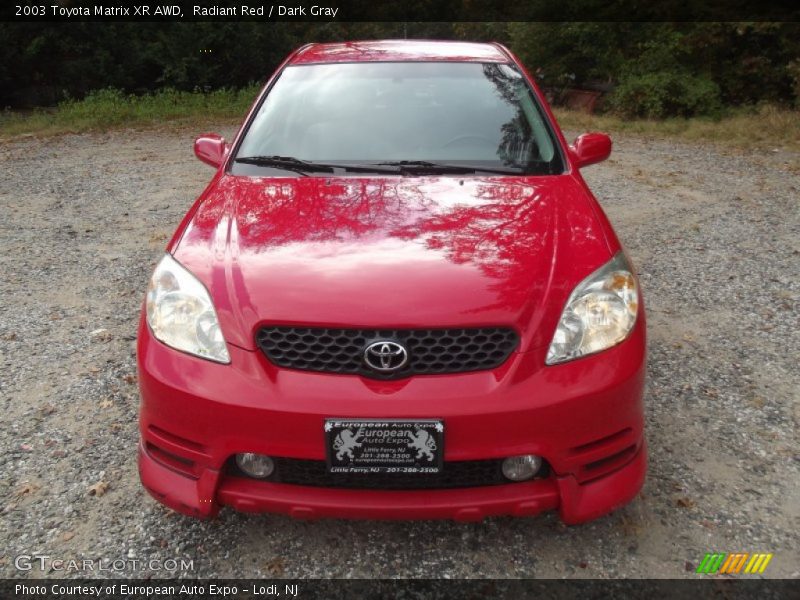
x: 762, y: 127
x: 111, y: 109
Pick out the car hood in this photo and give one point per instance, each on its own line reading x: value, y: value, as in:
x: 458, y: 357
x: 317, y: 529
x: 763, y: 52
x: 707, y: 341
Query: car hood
x: 392, y: 251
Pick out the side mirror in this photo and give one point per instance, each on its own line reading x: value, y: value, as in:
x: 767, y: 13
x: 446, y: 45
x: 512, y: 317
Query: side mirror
x: 211, y: 149
x: 590, y: 148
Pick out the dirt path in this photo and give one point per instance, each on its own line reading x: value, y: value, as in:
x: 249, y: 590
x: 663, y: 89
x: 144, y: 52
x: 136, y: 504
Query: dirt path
x: 716, y: 239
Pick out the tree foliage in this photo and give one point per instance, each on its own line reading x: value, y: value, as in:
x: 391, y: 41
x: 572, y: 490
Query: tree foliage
x: 651, y: 69
x: 667, y: 69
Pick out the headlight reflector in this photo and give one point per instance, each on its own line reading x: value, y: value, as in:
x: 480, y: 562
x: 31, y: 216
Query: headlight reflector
x: 599, y: 314
x: 180, y: 312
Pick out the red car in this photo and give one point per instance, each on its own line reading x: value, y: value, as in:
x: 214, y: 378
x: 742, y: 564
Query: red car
x: 397, y: 298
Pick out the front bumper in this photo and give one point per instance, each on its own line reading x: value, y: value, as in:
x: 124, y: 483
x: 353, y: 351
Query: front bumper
x: 584, y: 417
x: 575, y: 502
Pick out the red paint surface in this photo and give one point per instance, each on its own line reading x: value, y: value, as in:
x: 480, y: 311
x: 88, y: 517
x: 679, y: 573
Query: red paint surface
x: 399, y: 50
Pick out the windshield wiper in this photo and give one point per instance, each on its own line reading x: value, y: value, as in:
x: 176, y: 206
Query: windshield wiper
x: 289, y: 163
x: 424, y: 166
x: 303, y: 167
x: 307, y: 166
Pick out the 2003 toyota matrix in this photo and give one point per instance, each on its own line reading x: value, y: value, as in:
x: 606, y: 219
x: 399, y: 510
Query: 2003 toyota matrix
x: 397, y: 298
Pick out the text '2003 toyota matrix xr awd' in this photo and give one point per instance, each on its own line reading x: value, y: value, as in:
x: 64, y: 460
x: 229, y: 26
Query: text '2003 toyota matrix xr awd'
x: 397, y: 298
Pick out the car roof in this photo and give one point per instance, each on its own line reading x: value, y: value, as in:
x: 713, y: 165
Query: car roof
x: 400, y: 50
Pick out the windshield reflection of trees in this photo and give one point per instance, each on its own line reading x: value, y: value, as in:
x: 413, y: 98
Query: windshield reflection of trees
x: 517, y: 144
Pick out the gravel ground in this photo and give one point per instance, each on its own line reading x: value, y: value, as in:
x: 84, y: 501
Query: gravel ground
x: 716, y: 238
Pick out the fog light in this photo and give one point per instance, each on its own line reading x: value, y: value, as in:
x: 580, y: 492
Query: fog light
x: 255, y: 465
x: 520, y: 468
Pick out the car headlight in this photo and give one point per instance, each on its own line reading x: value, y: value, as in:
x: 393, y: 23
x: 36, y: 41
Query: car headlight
x: 180, y: 312
x: 599, y: 314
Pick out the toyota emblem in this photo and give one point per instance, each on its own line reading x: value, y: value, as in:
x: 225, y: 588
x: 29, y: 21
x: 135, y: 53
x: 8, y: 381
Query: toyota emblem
x: 385, y: 356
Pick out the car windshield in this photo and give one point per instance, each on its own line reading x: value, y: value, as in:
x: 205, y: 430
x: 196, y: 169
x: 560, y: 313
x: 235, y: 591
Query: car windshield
x: 431, y: 114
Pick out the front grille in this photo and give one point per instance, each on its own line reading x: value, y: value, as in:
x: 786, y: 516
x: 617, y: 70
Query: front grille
x: 430, y: 351
x: 458, y: 474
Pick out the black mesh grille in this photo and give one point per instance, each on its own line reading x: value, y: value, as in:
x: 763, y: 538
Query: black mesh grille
x: 430, y: 351
x: 459, y: 474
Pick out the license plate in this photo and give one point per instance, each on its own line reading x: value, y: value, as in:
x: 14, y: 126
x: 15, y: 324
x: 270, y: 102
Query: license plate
x: 384, y: 446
